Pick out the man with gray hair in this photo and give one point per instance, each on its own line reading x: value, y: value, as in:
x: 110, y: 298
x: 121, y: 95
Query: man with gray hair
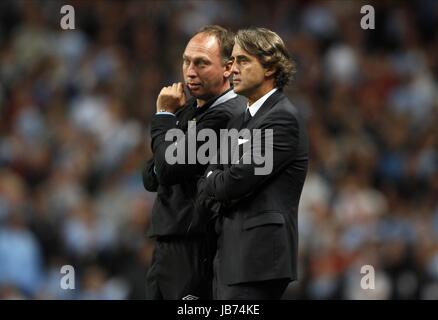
x: 256, y: 222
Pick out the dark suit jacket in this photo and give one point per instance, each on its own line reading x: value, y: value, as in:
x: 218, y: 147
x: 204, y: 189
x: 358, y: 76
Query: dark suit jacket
x: 173, y: 212
x: 257, y: 214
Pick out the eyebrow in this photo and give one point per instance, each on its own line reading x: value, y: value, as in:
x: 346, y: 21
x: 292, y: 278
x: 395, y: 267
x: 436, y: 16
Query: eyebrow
x: 198, y: 58
x: 240, y: 56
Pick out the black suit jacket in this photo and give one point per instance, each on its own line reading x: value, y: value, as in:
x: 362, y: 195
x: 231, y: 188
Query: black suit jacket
x: 257, y: 214
x: 173, y: 212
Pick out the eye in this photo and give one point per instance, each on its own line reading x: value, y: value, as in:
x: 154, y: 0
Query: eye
x: 242, y: 61
x: 201, y: 63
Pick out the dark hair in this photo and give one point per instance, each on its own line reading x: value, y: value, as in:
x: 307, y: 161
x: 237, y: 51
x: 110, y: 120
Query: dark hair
x: 225, y: 39
x: 270, y: 50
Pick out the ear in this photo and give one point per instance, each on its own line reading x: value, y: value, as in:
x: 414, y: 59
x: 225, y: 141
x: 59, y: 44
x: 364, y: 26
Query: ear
x: 227, y: 66
x: 270, y: 72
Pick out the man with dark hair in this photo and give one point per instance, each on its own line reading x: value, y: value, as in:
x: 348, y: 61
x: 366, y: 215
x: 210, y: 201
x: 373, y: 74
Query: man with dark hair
x: 180, y: 266
x: 257, y: 213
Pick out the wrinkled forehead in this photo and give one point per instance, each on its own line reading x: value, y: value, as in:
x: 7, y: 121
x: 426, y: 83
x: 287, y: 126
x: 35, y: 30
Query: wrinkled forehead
x: 202, y: 45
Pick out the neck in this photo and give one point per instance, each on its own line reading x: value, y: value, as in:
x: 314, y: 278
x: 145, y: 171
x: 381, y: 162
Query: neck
x: 260, y: 92
x: 225, y: 87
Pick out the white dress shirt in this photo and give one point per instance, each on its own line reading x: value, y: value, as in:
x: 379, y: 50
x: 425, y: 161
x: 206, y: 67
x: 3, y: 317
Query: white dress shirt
x: 256, y: 105
x: 253, y: 109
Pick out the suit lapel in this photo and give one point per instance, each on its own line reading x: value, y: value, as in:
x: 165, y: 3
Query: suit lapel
x: 269, y: 103
x: 253, y: 123
x: 234, y: 124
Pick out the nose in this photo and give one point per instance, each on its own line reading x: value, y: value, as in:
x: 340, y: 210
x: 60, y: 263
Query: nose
x: 191, y: 71
x: 234, y: 69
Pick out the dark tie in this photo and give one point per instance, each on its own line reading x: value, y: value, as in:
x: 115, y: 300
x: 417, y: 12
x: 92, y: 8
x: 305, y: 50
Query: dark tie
x: 246, y: 118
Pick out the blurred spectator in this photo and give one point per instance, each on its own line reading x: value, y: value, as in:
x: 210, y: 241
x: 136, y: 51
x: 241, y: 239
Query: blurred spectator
x: 20, y: 256
x: 74, y: 112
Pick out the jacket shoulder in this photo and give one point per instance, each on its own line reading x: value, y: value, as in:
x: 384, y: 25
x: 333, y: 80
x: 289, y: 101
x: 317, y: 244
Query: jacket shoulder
x: 234, y: 106
x: 284, y: 108
x: 228, y: 110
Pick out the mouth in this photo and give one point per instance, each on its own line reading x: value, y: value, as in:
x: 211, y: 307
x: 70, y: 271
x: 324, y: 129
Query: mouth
x: 193, y: 86
x: 236, y: 81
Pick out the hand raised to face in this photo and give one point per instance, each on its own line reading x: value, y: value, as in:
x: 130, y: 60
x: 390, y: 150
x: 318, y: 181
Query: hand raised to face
x: 171, y: 98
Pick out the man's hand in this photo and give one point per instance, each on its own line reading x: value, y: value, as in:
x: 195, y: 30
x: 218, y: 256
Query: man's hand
x: 171, y: 98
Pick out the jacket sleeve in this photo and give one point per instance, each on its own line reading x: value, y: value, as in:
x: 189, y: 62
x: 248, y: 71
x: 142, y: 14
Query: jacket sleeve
x: 150, y: 181
x: 240, y: 180
x: 168, y: 173
x: 205, y: 203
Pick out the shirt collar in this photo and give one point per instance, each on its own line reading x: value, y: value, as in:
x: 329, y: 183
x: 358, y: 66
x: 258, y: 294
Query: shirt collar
x: 223, y: 97
x: 256, y: 105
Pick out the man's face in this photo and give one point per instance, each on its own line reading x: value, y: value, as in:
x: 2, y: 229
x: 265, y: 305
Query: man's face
x: 203, y: 70
x: 248, y: 73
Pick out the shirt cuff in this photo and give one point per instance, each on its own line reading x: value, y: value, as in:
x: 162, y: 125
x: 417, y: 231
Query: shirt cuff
x: 165, y: 112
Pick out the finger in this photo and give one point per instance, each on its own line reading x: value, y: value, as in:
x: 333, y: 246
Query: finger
x: 182, y: 94
x: 180, y: 89
x: 164, y: 91
x: 174, y: 89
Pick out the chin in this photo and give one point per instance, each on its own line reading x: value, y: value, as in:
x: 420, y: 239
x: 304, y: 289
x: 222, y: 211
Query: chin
x: 202, y: 96
x: 239, y: 90
x: 195, y: 93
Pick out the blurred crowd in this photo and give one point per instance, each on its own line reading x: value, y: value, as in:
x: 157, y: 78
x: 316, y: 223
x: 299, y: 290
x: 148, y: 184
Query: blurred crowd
x: 75, y: 106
